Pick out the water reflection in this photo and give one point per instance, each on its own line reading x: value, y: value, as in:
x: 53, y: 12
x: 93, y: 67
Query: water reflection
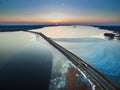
x: 28, y: 68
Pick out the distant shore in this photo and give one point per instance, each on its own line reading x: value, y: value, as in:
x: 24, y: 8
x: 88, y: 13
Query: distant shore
x: 115, y: 29
x: 8, y: 28
x: 115, y: 32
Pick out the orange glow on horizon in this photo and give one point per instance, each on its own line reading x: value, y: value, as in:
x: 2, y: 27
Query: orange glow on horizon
x: 61, y: 19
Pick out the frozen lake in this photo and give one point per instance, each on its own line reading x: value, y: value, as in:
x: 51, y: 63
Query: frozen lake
x: 89, y: 44
x: 22, y: 53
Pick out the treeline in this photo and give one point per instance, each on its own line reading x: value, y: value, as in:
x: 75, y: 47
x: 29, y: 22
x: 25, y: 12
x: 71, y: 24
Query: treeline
x: 7, y: 28
x: 115, y: 29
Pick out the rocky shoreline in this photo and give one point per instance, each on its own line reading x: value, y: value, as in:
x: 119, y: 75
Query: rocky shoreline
x: 111, y: 36
x: 115, y: 35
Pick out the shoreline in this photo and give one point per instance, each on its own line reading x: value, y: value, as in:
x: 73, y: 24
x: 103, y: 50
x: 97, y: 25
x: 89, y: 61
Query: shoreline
x: 11, y: 28
x: 8, y: 28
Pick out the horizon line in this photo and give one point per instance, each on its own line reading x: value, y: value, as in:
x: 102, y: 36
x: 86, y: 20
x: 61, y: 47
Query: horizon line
x: 59, y: 24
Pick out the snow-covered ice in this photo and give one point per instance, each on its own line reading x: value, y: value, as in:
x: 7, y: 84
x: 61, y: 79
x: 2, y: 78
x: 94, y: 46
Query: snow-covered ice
x: 89, y: 43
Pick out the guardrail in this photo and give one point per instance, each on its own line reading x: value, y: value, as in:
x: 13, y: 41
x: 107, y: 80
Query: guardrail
x: 100, y: 80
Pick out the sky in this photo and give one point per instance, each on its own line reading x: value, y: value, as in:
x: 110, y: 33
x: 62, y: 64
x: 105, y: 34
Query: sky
x: 59, y: 11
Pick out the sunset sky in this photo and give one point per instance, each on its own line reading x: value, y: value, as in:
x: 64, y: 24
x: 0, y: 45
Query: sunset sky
x: 59, y: 11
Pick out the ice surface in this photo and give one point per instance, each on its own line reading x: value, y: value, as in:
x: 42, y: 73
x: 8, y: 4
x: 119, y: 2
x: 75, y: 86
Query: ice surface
x: 89, y: 44
x: 71, y: 32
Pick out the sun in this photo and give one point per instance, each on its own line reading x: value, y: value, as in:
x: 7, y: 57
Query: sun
x: 56, y: 17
